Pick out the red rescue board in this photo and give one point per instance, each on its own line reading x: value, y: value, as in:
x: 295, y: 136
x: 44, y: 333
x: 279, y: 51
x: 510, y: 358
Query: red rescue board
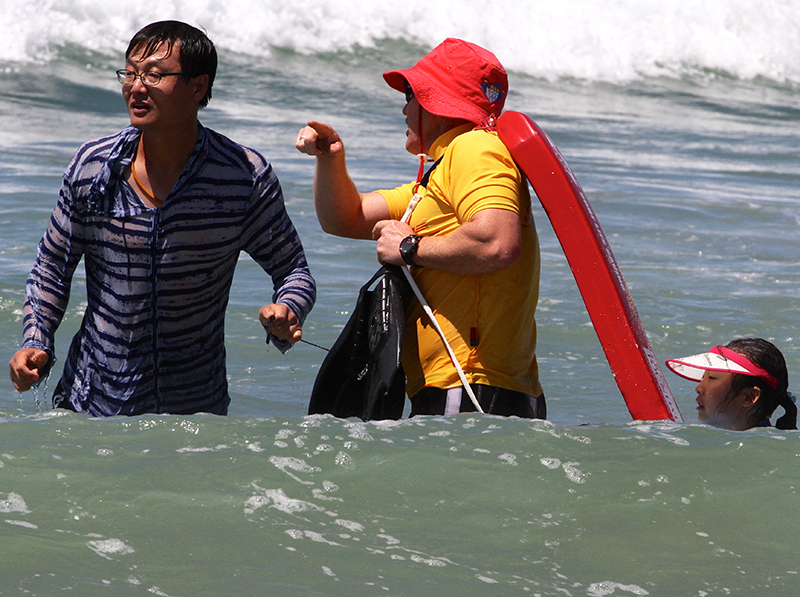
x: 596, y: 272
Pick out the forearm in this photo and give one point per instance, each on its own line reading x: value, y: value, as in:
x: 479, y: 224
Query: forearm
x: 341, y: 209
x: 338, y: 203
x: 462, y: 254
x: 490, y: 242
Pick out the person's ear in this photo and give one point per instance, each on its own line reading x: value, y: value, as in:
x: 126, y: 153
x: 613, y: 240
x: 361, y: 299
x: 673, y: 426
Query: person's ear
x: 200, y: 86
x: 752, y: 396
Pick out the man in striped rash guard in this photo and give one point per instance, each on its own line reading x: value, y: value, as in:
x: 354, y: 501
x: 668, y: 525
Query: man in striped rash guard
x: 160, y: 213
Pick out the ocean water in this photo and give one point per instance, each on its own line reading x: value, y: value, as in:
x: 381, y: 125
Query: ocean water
x: 682, y: 123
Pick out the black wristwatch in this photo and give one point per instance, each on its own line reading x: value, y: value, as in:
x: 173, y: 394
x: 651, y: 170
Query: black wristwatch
x: 408, y: 248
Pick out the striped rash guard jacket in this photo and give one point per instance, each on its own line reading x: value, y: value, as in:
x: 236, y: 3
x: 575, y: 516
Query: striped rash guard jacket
x: 158, y: 280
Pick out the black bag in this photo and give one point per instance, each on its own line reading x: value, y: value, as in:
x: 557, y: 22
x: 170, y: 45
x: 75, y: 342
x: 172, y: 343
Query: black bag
x: 362, y: 376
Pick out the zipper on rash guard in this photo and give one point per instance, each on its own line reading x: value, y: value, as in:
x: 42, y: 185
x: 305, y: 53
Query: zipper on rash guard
x: 153, y: 304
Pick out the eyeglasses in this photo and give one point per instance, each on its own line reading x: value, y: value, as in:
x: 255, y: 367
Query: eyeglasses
x: 148, y: 79
x: 409, y: 91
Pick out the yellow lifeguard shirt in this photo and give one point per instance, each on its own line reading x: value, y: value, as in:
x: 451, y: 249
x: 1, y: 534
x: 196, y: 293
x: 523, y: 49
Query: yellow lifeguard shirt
x: 487, y: 319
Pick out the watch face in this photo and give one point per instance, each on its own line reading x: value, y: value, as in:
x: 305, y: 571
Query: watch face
x: 408, y: 248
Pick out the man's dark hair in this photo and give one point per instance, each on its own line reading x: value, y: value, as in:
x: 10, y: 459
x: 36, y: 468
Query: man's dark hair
x: 198, y: 56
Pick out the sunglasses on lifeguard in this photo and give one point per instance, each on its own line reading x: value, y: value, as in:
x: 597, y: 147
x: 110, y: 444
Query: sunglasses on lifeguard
x: 409, y: 92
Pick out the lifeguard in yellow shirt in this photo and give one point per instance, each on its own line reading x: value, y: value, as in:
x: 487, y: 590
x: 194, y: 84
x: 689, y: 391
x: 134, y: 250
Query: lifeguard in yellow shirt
x: 470, y: 240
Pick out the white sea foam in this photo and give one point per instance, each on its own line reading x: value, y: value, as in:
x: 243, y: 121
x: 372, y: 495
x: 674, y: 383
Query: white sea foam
x: 13, y: 502
x: 110, y: 547
x: 22, y: 523
x: 601, y: 589
x: 279, y: 500
x: 618, y: 40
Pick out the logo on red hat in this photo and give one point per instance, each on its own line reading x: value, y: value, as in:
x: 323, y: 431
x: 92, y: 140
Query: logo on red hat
x: 493, y: 92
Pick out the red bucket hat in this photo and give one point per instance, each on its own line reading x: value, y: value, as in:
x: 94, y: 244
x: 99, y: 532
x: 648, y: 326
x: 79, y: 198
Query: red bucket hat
x: 457, y: 79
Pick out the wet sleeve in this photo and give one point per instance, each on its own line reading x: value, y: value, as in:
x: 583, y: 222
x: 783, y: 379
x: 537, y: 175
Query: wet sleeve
x: 270, y: 238
x: 48, y: 287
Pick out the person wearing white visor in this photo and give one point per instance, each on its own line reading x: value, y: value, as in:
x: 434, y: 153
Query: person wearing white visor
x: 740, y: 384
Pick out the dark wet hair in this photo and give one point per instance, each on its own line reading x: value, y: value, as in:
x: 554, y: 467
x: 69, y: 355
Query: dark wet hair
x: 767, y: 356
x: 198, y: 56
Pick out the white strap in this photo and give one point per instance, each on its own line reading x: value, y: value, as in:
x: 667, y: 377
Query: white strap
x: 425, y: 307
x: 453, y: 401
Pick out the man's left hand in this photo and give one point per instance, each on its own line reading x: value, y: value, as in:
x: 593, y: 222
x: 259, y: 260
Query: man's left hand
x: 281, y: 322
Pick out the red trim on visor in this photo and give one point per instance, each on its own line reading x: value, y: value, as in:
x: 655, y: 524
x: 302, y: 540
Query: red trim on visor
x: 743, y: 361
